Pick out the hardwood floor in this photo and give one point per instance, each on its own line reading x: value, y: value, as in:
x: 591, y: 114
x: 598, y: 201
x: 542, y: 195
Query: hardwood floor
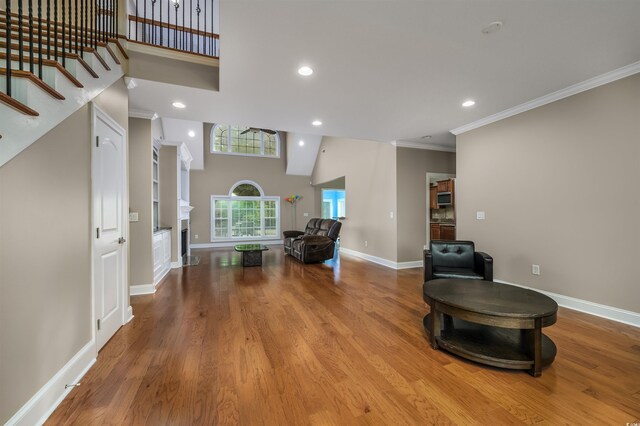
x: 336, y: 343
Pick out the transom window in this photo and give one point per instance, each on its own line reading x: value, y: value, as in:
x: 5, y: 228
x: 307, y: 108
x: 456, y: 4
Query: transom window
x: 246, y: 213
x: 239, y: 140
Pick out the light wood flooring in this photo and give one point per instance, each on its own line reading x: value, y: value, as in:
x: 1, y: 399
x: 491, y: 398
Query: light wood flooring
x: 336, y: 343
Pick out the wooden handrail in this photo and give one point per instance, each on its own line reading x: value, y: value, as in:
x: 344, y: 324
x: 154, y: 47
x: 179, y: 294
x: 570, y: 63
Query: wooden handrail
x: 172, y: 27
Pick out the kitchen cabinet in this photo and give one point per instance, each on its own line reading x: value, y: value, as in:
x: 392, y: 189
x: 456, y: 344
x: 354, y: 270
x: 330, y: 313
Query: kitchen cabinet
x: 440, y: 231
x: 433, y: 197
x: 435, y: 231
x: 447, y: 232
x: 445, y: 185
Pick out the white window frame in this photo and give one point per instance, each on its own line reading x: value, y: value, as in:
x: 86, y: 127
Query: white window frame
x: 230, y: 197
x: 212, y: 140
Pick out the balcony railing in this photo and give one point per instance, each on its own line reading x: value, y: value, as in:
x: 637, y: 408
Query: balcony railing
x: 185, y: 25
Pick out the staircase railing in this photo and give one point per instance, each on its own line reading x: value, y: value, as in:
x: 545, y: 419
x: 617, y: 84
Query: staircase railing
x: 185, y: 25
x: 59, y: 30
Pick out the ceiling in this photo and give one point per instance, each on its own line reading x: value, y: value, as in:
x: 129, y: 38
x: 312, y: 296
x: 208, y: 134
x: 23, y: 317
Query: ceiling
x: 398, y: 70
x: 176, y: 132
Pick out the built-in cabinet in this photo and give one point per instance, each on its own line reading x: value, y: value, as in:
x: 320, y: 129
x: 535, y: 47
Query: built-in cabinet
x: 161, y: 254
x: 175, y: 207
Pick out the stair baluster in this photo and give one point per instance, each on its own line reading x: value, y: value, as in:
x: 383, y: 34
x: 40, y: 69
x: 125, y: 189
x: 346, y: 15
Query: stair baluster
x: 30, y: 11
x: 8, y: 38
x: 20, y: 34
x: 39, y: 39
x: 64, y: 31
x: 48, y: 29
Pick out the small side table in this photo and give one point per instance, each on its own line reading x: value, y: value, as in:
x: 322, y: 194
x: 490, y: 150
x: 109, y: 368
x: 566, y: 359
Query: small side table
x: 251, y: 253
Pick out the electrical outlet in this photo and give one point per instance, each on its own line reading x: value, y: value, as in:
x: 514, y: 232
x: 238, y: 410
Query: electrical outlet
x: 426, y: 247
x: 133, y: 216
x: 480, y: 215
x: 195, y: 236
x: 535, y: 269
x: 366, y: 243
x: 390, y: 215
x: 306, y: 215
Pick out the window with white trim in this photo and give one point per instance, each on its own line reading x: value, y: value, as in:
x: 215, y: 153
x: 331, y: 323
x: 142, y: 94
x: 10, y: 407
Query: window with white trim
x: 245, y: 214
x: 239, y: 140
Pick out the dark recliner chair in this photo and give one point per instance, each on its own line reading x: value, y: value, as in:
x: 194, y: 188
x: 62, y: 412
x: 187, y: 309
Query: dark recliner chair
x: 316, y: 244
x: 456, y: 259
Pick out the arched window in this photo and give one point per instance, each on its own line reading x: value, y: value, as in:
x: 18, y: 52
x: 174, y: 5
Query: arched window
x: 239, y: 140
x: 245, y: 213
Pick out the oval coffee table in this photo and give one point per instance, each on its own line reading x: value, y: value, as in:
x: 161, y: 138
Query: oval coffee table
x: 491, y: 323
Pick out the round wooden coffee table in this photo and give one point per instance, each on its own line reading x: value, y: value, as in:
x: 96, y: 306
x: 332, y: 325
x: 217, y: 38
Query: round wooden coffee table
x: 491, y: 323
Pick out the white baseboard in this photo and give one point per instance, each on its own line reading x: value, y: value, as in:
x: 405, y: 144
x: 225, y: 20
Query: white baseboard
x: 592, y: 308
x: 409, y: 265
x: 137, y: 290
x: 381, y: 261
x: 44, y: 402
x: 175, y: 265
x: 235, y: 243
x: 129, y: 314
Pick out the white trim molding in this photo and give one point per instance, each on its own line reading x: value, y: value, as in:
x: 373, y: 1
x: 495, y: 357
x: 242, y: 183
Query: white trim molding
x: 381, y: 261
x: 139, y: 113
x: 235, y: 243
x: 140, y: 289
x: 46, y: 400
x: 591, y: 83
x: 175, y: 265
x: 592, y: 308
x: 419, y: 145
x: 129, y: 314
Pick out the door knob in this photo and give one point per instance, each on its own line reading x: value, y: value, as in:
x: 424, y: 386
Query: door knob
x: 121, y: 240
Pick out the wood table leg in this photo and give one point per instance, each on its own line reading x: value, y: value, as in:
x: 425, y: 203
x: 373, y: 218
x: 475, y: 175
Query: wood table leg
x: 434, y: 326
x: 536, y: 348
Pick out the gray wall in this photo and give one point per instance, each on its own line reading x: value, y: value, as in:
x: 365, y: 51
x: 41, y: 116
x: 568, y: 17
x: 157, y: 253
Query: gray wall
x: 369, y: 169
x: 140, y: 201
x: 559, y: 185
x: 45, y: 253
x: 162, y: 69
x: 222, y: 171
x: 413, y: 166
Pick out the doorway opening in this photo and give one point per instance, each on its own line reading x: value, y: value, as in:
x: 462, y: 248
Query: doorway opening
x: 441, y: 213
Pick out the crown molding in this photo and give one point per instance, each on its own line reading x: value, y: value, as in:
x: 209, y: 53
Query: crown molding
x: 419, y: 145
x: 140, y: 113
x: 591, y: 83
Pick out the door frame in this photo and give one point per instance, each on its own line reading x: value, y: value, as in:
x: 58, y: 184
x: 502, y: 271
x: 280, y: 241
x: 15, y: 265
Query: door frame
x: 428, y: 206
x: 127, y: 313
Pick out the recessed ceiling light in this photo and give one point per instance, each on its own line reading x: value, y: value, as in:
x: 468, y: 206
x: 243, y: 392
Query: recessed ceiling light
x: 192, y: 134
x: 305, y: 71
x: 316, y: 123
x: 301, y: 143
x: 178, y: 104
x: 468, y: 103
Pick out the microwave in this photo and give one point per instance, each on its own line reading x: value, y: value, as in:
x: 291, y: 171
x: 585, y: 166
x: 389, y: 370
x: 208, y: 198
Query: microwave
x: 444, y: 198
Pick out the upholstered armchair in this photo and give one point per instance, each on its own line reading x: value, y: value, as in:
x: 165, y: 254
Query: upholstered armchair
x: 456, y: 259
x: 316, y: 244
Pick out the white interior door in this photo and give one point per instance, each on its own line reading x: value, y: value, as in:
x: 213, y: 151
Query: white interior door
x: 109, y: 226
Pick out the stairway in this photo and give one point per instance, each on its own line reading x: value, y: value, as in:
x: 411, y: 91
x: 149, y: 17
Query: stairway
x: 49, y: 71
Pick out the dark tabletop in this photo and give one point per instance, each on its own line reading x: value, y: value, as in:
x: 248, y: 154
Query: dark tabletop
x: 250, y: 247
x: 490, y: 298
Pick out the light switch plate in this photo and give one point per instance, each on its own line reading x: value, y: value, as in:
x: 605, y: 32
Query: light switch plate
x: 480, y: 215
x: 306, y: 215
x: 133, y: 217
